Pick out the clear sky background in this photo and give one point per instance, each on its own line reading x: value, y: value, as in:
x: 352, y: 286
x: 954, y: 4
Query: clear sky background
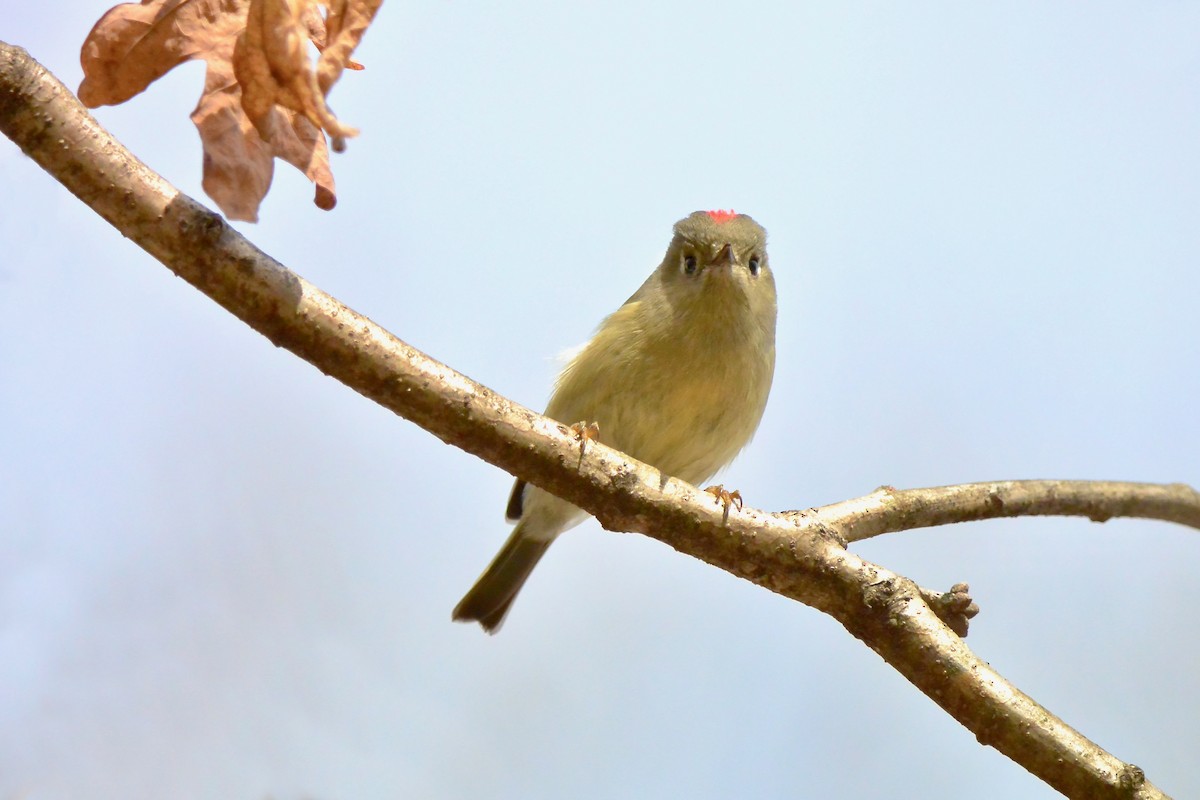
x: 224, y: 575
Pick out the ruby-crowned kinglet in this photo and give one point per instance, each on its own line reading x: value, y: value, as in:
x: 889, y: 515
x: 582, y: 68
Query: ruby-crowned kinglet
x: 678, y: 378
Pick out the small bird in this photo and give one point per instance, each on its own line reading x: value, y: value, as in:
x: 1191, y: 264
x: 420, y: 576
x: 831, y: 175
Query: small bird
x: 678, y: 378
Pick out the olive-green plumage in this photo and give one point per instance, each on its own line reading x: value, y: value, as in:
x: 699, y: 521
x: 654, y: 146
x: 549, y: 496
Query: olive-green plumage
x: 677, y: 377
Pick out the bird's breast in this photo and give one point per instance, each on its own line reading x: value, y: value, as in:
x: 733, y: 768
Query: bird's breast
x: 682, y: 402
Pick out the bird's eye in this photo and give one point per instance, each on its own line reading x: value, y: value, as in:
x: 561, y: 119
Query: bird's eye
x: 754, y: 265
x: 689, y: 264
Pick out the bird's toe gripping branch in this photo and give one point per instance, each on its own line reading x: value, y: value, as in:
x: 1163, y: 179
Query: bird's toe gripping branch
x: 725, y: 498
x: 585, y: 432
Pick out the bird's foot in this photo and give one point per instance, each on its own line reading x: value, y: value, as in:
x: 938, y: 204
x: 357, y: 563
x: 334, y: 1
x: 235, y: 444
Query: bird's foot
x: 725, y: 498
x: 585, y: 432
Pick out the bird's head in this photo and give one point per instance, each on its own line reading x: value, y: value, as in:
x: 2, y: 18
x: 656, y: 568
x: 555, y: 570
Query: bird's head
x: 717, y: 264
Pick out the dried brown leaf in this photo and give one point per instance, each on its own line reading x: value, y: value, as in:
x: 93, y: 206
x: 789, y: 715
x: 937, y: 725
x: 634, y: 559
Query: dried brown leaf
x: 316, y: 31
x: 262, y: 97
x: 238, y: 163
x: 135, y: 44
x: 345, y: 26
x: 272, y: 64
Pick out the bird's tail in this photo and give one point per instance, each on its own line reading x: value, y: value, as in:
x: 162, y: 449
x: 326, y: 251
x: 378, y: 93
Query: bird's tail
x: 490, y: 598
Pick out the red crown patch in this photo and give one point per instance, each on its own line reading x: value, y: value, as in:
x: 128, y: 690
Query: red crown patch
x: 722, y: 216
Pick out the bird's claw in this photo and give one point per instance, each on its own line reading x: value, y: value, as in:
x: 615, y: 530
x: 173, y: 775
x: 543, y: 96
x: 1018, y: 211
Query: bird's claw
x: 726, y: 498
x: 586, y: 432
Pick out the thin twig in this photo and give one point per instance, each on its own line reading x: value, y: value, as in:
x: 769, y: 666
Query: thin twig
x: 887, y: 510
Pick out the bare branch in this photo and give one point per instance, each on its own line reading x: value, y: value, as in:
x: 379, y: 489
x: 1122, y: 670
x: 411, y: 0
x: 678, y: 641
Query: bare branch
x: 887, y: 510
x: 798, y: 555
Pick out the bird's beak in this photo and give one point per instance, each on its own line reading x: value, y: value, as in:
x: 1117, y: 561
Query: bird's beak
x: 725, y: 257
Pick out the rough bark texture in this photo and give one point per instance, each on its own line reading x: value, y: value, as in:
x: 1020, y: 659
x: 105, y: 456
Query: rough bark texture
x: 798, y: 554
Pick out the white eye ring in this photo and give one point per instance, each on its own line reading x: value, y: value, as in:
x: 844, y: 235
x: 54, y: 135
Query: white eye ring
x: 754, y: 265
x: 689, y: 265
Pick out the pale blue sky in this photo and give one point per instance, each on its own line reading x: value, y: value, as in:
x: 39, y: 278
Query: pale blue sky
x: 224, y: 575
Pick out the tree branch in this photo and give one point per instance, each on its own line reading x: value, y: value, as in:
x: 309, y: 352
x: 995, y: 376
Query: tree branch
x: 887, y: 510
x: 799, y: 554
